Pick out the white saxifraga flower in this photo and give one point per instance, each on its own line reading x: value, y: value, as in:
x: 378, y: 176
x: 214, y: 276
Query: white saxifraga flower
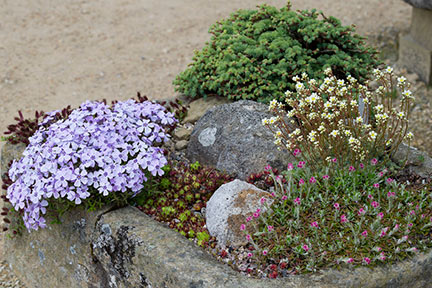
x: 409, y: 135
x: 334, y: 133
x: 312, y: 82
x: 340, y: 82
x: 359, y: 120
x: 401, y: 80
x: 296, y: 78
x: 333, y: 99
x: 407, y: 93
x: 297, y: 131
x: 321, y: 128
x: 327, y: 105
x: 288, y: 93
x: 347, y: 133
x: 299, y: 86
x: 327, y: 81
x: 373, y: 135
x: 328, y: 71
x: 379, y: 108
x: 273, y: 104
x: 353, y: 103
x: 389, y: 69
x: 265, y: 121
x: 401, y: 115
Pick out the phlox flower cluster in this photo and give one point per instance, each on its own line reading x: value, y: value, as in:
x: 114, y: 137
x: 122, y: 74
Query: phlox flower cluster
x: 97, y: 148
x: 342, y: 118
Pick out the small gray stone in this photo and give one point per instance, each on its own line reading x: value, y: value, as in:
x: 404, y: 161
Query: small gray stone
x: 198, y: 107
x: 182, y: 133
x: 417, y: 161
x: 231, y: 138
x: 180, y: 145
x: 228, y: 208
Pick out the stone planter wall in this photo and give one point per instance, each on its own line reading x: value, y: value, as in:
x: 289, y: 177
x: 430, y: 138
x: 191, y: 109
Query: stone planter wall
x: 126, y: 248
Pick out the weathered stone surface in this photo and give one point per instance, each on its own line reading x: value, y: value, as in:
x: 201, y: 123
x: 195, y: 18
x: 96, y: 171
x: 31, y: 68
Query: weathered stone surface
x: 198, y: 107
x: 418, y: 161
x: 181, y: 133
x: 8, y: 153
x: 58, y: 256
x: 425, y: 4
x: 228, y: 208
x: 180, y: 145
x: 231, y: 138
x: 415, y: 48
x: 129, y: 249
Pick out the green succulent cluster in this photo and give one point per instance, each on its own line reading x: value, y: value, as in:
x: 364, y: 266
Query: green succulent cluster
x: 255, y: 53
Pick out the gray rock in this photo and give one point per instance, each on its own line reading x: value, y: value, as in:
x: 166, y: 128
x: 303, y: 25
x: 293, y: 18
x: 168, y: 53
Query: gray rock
x: 181, y: 133
x: 198, y: 107
x: 417, y: 161
x: 180, y: 145
x: 228, y: 208
x: 424, y: 4
x: 231, y: 138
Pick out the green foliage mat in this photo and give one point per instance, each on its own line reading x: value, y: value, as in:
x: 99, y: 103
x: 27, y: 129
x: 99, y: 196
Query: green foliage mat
x: 255, y: 53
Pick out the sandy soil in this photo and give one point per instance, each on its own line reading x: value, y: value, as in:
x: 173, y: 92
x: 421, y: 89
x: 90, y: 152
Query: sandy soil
x: 54, y: 53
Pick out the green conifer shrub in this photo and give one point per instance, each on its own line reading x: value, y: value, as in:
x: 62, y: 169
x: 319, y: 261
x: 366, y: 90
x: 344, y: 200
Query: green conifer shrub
x: 255, y: 53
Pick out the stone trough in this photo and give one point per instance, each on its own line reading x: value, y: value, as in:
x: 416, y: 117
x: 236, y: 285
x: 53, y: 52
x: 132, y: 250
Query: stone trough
x: 126, y: 248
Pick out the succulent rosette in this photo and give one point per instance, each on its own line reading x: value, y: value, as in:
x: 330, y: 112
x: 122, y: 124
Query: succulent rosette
x: 97, y: 148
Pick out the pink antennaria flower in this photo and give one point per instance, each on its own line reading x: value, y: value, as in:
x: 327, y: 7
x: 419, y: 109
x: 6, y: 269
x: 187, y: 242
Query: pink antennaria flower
x: 297, y: 201
x: 350, y: 260
x: 381, y: 215
x: 382, y: 256
x: 301, y: 181
x: 412, y: 212
x: 343, y: 218
x: 249, y: 254
x: 370, y: 196
x: 272, y: 194
x: 263, y: 200
x: 410, y: 224
x: 284, y: 197
x: 374, y: 161
x: 378, y: 249
x: 380, y: 174
x: 268, y: 168
x: 242, y: 227
x: 364, y: 233
x: 375, y: 204
x: 423, y: 216
x: 314, y: 224
x: 248, y: 237
x: 396, y: 227
x: 301, y: 164
x: 417, y: 207
x: 296, y: 152
x: 336, y: 206
x: 312, y: 180
x: 334, y: 160
x: 383, y: 232
x: 361, y: 165
x: 264, y: 252
x: 376, y: 185
x: 258, y: 210
x: 361, y: 211
x: 256, y: 214
x: 391, y: 194
x: 326, y: 177
x: 290, y: 167
x: 389, y: 180
x: 248, y: 219
x: 351, y: 169
x: 367, y: 260
x: 270, y: 228
x: 305, y: 248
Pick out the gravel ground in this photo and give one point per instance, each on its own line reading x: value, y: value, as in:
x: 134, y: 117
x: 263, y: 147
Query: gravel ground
x: 55, y: 53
